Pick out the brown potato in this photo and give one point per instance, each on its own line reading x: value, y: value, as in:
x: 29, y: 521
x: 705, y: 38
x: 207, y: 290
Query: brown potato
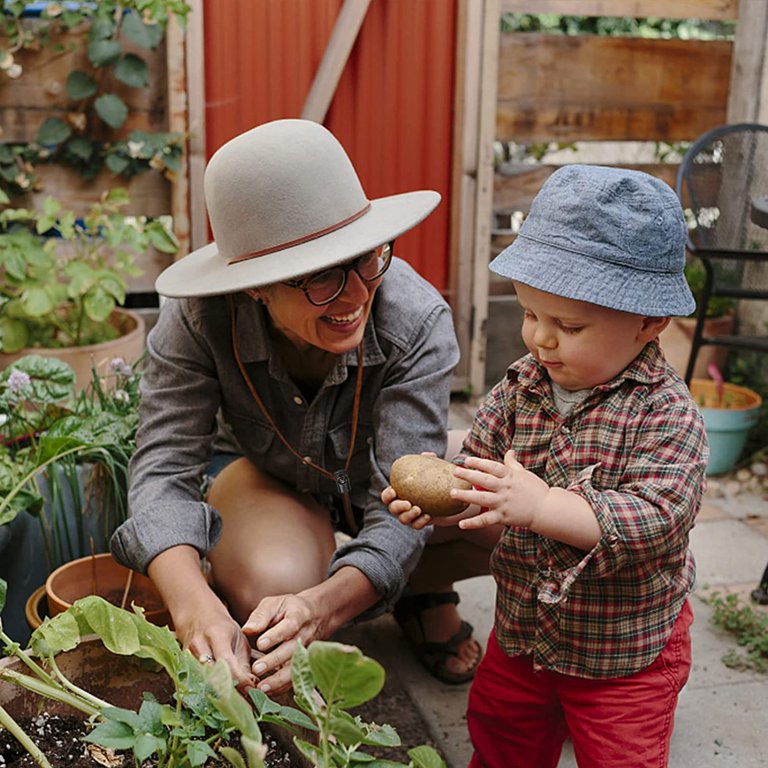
x: 426, y: 482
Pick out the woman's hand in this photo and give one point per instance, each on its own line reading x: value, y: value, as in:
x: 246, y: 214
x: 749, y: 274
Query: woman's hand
x: 312, y: 614
x: 201, y: 621
x: 210, y: 633
x: 404, y: 511
x: 276, y: 624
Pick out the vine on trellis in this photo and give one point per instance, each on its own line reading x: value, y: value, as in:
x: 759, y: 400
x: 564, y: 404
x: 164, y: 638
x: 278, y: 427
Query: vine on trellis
x: 87, y: 137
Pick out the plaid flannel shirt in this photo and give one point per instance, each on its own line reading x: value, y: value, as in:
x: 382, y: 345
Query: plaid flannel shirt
x: 636, y: 450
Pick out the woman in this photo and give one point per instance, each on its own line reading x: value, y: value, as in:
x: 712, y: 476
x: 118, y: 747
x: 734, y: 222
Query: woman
x: 304, y: 358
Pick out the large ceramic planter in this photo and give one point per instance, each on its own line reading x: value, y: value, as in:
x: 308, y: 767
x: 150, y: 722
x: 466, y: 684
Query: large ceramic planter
x: 120, y: 680
x: 677, y: 338
x: 101, y: 575
x: 129, y: 345
x: 727, y: 421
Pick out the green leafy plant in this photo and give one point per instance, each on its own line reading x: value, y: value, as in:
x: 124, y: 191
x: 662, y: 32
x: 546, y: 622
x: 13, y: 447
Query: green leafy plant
x: 87, y: 136
x: 48, y: 435
x: 207, y: 717
x: 328, y: 679
x: 64, y: 277
x: 750, y: 628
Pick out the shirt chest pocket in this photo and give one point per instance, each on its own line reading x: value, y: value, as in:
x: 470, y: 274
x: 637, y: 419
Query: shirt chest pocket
x: 339, y: 439
x: 255, y: 436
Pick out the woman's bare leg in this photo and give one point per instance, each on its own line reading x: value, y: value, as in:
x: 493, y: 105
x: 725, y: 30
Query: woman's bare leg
x: 274, y: 540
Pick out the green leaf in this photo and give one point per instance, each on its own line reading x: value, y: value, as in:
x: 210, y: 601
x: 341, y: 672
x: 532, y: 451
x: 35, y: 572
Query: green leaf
x: 98, y: 305
x: 80, y: 85
x: 111, y: 109
x: 425, y: 757
x: 102, y: 27
x: 53, y: 131
x: 146, y: 745
x: 114, y: 626
x: 343, y: 675
x: 345, y: 728
x: 136, y: 30
x: 80, y: 147
x: 255, y: 751
x: 37, y: 301
x: 303, y: 683
x: 112, y: 735
x: 103, y: 52
x: 132, y: 70
x: 54, y: 635
x: 198, y: 752
x: 233, y: 756
x: 117, y: 163
x: 164, y: 240
x: 14, y: 335
x: 382, y: 735
x: 3, y: 593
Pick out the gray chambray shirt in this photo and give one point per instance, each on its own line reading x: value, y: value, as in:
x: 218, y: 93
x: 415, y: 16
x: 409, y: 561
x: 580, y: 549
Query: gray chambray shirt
x: 410, y: 351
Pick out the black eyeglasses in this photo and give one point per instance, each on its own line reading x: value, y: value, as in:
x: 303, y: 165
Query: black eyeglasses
x: 323, y: 287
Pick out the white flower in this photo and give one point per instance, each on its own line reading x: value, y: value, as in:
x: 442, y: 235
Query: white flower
x: 120, y: 367
x: 134, y: 148
x: 18, y: 381
x: 122, y: 396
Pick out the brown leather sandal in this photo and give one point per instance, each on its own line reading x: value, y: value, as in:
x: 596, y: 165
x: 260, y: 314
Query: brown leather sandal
x: 433, y: 655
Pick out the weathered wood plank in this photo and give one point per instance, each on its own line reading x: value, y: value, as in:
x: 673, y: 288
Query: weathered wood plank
x: 150, y: 193
x: 667, y: 9
x: 515, y: 192
x: 562, y: 88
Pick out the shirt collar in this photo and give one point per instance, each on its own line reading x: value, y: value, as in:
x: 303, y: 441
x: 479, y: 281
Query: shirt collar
x: 253, y: 336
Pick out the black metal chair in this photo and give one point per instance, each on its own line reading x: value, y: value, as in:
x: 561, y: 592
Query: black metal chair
x: 723, y: 181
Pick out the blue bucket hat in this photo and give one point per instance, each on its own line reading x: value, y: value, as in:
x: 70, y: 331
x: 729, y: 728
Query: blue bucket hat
x: 608, y: 236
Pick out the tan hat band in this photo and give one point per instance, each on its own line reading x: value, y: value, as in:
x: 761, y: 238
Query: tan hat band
x: 300, y: 240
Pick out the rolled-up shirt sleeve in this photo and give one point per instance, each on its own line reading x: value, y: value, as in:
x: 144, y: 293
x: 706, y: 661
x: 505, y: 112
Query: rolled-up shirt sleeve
x: 651, y: 510
x: 179, y: 400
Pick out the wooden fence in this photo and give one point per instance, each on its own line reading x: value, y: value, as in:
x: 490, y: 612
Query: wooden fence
x: 537, y: 87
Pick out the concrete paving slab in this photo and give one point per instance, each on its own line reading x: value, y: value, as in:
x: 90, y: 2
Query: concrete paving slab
x: 727, y: 551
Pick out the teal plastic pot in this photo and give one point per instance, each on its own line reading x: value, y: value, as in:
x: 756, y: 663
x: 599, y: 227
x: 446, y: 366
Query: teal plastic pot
x: 726, y: 421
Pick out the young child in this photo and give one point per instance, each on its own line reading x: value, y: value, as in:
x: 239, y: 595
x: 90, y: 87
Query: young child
x: 592, y: 453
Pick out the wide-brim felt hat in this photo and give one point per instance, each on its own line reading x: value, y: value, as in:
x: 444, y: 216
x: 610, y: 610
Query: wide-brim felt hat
x: 608, y: 236
x: 284, y: 201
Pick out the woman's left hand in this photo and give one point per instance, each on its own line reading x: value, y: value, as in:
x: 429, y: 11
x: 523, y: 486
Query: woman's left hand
x: 277, y: 623
x: 315, y: 613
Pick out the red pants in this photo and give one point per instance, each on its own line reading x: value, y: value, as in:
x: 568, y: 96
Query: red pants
x: 519, y: 718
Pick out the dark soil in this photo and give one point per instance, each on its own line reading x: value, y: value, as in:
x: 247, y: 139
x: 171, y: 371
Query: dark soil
x: 59, y: 738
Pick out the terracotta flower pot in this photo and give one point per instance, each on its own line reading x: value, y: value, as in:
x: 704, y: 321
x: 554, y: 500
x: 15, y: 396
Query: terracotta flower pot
x: 103, y: 576
x: 129, y: 345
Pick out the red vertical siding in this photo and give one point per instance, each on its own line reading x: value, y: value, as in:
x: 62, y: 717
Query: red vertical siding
x: 393, y: 109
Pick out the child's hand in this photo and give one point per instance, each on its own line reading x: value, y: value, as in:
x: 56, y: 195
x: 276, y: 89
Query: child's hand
x: 508, y: 492
x: 403, y: 510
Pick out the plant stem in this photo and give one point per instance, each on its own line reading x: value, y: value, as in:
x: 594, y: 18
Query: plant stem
x: 55, y: 692
x: 18, y: 733
x: 69, y: 685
